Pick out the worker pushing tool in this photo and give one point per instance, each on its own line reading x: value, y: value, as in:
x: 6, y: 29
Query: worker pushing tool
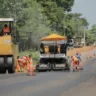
x: 19, y: 65
x: 80, y: 65
x: 31, y: 68
x: 74, y: 62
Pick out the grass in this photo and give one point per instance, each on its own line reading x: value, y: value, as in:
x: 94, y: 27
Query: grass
x: 35, y: 55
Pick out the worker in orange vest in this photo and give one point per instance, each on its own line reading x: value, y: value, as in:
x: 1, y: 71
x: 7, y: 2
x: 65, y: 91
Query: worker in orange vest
x: 6, y: 30
x: 25, y: 63
x: 78, y: 55
x: 20, y: 61
x: 17, y: 68
x: 74, y: 61
x: 30, y: 59
x: 31, y: 68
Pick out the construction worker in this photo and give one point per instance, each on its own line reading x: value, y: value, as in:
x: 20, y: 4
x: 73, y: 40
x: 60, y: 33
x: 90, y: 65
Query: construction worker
x: 30, y: 59
x: 20, y: 61
x: 78, y: 55
x: 24, y: 58
x: 17, y: 68
x: 27, y: 62
x: 74, y: 62
x: 6, y: 30
x: 30, y: 66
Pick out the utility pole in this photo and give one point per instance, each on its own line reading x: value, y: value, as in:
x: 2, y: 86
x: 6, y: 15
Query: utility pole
x: 84, y: 37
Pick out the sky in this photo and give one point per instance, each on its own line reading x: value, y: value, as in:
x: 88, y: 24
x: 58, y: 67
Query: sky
x: 87, y: 8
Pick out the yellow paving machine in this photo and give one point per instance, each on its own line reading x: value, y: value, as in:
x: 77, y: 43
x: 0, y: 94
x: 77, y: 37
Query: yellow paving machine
x: 53, y: 53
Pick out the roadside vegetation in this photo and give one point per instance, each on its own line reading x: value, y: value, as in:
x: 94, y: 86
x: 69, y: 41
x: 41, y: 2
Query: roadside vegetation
x: 35, y: 19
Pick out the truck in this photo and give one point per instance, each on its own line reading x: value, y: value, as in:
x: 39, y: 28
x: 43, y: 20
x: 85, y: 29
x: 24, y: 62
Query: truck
x: 53, y: 55
x: 8, y: 48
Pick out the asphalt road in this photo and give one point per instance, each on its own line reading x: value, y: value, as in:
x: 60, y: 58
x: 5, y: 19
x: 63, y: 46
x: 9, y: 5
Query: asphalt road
x: 46, y: 83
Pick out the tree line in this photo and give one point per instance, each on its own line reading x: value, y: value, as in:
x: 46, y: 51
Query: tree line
x: 35, y: 19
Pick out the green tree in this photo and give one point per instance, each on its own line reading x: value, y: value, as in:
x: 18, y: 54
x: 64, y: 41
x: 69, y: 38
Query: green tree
x: 90, y: 38
x: 54, y: 10
x: 35, y: 27
x: 93, y: 29
x: 77, y: 24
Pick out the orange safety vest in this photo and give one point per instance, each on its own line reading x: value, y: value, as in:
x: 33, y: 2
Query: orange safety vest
x: 6, y: 29
x: 29, y: 62
x: 17, y: 66
x: 74, y: 58
x: 75, y: 61
x: 24, y: 63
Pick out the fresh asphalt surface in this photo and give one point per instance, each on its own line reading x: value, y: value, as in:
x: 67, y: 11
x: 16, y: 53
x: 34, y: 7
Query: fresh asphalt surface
x: 45, y: 83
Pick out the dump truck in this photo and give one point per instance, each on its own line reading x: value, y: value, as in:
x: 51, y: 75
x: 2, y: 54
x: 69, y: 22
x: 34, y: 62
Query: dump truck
x: 53, y: 54
x: 8, y: 48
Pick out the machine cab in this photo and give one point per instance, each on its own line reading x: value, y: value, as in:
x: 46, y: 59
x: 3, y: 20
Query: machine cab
x: 6, y: 26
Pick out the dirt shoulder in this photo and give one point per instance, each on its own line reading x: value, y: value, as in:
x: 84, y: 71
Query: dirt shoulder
x: 80, y: 50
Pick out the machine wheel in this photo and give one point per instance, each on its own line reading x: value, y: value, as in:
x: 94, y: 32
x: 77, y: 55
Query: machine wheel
x: 1, y: 62
x: 51, y: 67
x: 37, y: 68
x: 67, y: 67
x: 10, y: 62
x: 2, y: 69
x: 10, y: 70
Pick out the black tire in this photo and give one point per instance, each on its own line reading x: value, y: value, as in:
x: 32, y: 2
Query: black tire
x: 11, y: 70
x: 1, y: 62
x: 67, y: 67
x: 10, y: 62
x: 49, y: 70
x: 2, y: 70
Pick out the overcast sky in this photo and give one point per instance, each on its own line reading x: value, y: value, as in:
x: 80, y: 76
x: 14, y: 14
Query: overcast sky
x: 87, y: 8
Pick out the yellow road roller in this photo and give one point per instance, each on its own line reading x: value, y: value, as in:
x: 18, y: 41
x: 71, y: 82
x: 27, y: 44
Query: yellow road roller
x: 8, y: 49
